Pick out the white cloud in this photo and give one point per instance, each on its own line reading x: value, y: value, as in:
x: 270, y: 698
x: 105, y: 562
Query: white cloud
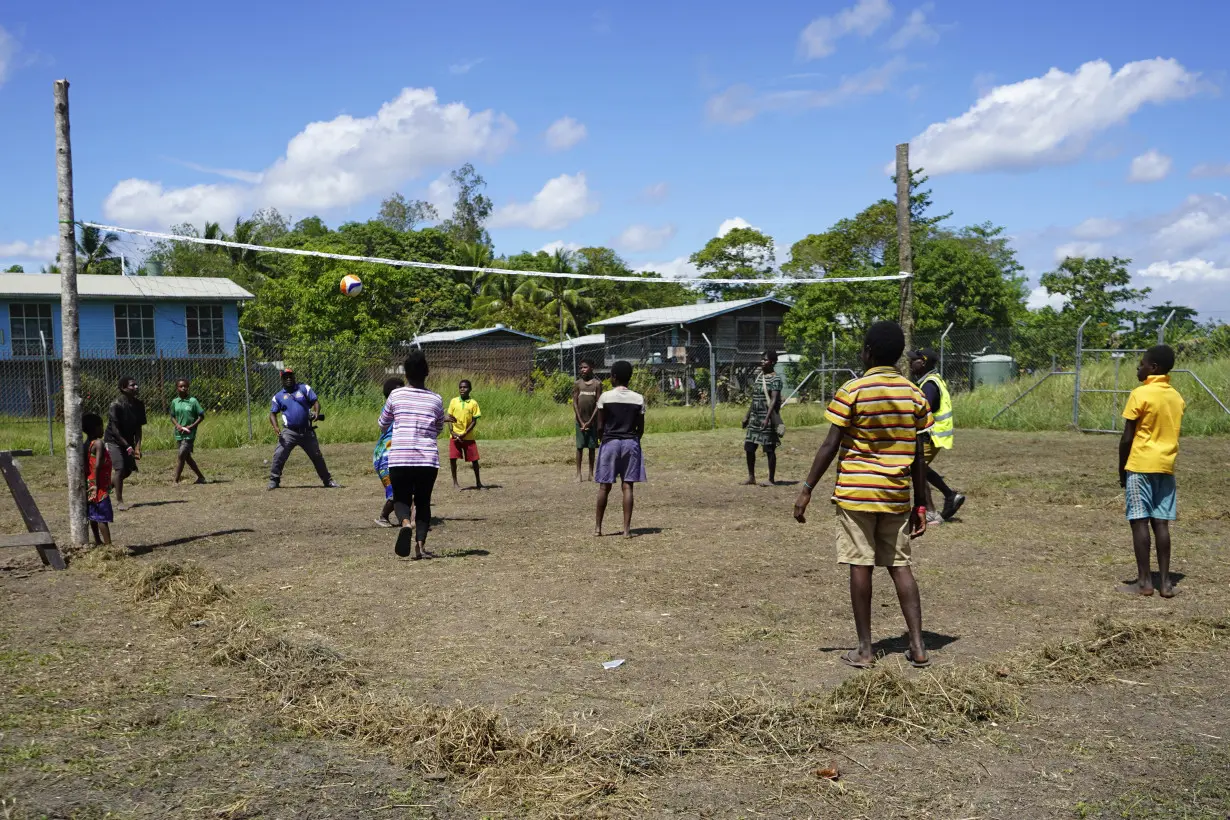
x: 44, y: 249
x: 1097, y: 227
x: 561, y: 202
x: 638, y: 238
x: 1199, y: 223
x: 1047, y: 120
x: 1150, y: 166
x: 1039, y: 298
x: 565, y: 133
x: 442, y: 194
x: 820, y: 37
x: 657, y: 192
x: 740, y: 103
x: 1211, y: 169
x: 915, y: 29
x: 332, y: 164
x: 729, y: 225
x: 677, y: 268
x: 464, y: 68
x: 8, y: 51
x: 559, y: 245
x: 252, y: 177
x: 1082, y: 249
x: 1188, y: 270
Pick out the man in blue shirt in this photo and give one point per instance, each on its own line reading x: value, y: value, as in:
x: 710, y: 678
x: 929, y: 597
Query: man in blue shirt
x: 299, y: 408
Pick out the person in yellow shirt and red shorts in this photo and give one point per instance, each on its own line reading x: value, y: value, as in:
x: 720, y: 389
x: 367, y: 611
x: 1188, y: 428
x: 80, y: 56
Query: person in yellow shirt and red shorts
x: 1147, y: 453
x: 462, y: 442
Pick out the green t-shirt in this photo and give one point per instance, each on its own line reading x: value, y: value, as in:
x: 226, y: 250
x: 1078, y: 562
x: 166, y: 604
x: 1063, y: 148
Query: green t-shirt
x: 185, y: 412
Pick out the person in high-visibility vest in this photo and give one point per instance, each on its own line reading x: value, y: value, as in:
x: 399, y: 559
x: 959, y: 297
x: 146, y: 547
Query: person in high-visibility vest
x: 923, y: 365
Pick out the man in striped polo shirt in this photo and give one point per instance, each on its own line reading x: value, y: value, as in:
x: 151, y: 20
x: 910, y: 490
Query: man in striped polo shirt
x: 877, y: 422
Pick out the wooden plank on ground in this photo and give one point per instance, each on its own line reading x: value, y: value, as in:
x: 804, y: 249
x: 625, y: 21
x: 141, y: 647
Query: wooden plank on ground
x: 29, y: 539
x: 47, y: 552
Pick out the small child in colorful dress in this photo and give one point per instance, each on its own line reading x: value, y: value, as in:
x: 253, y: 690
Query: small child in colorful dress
x: 380, y: 458
x: 98, y: 479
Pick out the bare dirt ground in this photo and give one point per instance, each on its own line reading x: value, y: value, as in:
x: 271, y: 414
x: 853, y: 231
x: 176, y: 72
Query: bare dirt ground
x: 720, y: 593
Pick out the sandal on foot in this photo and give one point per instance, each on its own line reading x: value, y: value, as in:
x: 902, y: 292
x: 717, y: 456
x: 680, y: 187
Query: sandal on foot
x: 923, y: 664
x: 852, y: 660
x: 405, y: 540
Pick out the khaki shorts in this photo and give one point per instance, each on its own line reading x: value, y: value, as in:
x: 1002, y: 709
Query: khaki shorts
x: 868, y: 539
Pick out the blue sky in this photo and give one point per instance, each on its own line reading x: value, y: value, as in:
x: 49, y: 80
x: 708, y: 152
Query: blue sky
x: 1095, y: 127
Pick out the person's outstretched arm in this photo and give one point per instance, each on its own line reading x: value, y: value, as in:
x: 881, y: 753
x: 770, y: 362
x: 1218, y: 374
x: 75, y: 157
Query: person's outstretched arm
x: 819, y: 466
x: 1125, y: 448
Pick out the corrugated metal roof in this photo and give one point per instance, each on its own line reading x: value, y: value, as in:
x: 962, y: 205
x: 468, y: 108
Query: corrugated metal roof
x: 95, y: 286
x: 466, y: 335
x: 683, y: 314
x: 581, y: 341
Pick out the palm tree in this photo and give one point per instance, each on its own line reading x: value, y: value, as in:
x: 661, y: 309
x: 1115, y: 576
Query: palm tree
x: 471, y: 283
x: 556, y: 294
x: 95, y: 246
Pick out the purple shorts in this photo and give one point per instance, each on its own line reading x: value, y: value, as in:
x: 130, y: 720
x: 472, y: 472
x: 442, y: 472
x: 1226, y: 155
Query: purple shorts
x: 620, y: 458
x: 99, y: 511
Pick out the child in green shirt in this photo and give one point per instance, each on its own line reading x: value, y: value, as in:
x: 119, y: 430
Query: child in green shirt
x: 186, y: 414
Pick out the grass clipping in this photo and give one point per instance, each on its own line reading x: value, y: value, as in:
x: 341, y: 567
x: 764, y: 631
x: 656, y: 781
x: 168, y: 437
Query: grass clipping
x: 556, y: 769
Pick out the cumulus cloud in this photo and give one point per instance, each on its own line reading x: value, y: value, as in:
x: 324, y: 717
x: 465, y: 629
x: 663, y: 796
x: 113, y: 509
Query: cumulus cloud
x: 1150, y: 166
x: 1202, y: 221
x: 1083, y: 249
x: 741, y: 103
x: 8, y: 53
x: 657, y: 192
x: 559, y: 245
x: 729, y: 225
x: 44, y: 249
x: 464, y: 68
x: 1047, y: 120
x: 1097, y: 227
x: 561, y: 202
x: 639, y: 238
x: 820, y: 37
x: 1039, y: 298
x: 565, y: 133
x: 1206, y: 170
x: 1187, y: 270
x: 916, y: 29
x: 331, y: 164
x: 677, y: 268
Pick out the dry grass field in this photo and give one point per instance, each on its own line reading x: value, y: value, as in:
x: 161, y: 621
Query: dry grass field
x: 250, y: 654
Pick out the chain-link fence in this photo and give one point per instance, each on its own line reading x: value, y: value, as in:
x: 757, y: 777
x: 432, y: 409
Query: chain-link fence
x: 1033, y: 378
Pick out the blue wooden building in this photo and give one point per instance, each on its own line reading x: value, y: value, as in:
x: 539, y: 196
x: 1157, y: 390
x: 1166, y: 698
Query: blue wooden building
x: 148, y: 325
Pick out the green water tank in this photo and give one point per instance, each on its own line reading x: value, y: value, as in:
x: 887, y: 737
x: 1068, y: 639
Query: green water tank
x: 993, y: 368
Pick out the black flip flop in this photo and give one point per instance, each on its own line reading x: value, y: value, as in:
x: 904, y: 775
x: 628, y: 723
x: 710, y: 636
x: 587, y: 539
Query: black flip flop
x: 909, y: 656
x: 405, y: 541
x: 853, y: 664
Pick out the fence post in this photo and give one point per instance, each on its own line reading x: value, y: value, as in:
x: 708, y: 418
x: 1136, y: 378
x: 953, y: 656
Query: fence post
x: 247, y: 389
x: 51, y: 438
x: 943, y: 341
x: 712, y: 383
x: 1161, y: 331
x: 1076, y: 372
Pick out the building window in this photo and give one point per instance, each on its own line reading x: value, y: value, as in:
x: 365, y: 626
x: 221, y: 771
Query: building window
x: 25, y: 322
x: 204, y: 330
x: 773, y: 335
x: 134, y: 330
x: 747, y: 334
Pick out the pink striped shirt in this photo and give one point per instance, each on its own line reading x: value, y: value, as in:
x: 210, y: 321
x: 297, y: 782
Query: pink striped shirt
x: 416, y: 416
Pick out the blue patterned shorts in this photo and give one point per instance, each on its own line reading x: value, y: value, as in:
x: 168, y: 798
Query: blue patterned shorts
x: 1151, y: 495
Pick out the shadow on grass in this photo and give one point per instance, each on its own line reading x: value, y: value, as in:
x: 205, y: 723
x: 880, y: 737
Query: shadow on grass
x: 1156, y: 578
x: 484, y: 487
x: 143, y: 549
x: 462, y: 553
x: 898, y: 645
x: 156, y: 503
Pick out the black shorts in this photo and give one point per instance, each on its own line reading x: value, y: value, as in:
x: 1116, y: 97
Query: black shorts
x: 186, y: 446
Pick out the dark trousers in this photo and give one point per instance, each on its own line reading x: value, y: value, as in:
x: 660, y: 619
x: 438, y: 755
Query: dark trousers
x: 289, y: 440
x: 413, y: 485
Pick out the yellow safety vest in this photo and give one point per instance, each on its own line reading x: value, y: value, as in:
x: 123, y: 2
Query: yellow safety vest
x: 941, y: 433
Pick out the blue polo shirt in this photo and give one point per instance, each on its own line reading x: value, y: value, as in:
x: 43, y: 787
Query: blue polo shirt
x: 294, y: 406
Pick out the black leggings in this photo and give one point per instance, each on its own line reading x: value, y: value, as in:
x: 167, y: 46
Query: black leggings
x: 413, y: 485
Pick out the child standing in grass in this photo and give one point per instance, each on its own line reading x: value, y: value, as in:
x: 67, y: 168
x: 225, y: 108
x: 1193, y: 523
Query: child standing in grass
x: 187, y: 415
x: 380, y: 458
x: 878, y: 421
x: 462, y: 442
x: 97, y: 478
x: 1147, y: 453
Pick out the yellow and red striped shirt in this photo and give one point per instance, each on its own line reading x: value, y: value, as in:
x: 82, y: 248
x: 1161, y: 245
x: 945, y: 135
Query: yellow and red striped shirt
x: 882, y: 414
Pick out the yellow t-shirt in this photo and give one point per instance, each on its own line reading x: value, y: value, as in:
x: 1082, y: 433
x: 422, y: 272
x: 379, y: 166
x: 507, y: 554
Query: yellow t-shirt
x: 1157, y: 409
x: 463, y: 412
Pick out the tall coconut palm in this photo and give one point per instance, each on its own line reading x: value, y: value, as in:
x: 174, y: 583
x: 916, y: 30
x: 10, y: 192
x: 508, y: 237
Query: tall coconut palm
x: 94, y: 246
x: 471, y: 283
x: 556, y: 295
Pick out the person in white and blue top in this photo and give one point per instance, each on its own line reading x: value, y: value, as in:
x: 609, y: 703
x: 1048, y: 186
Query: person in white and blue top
x: 298, y: 407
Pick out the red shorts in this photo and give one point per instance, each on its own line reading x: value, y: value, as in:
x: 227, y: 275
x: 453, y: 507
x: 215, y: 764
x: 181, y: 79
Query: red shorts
x: 467, y: 449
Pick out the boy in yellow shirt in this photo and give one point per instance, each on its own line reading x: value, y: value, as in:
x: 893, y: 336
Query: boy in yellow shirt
x: 462, y: 442
x: 1147, y: 452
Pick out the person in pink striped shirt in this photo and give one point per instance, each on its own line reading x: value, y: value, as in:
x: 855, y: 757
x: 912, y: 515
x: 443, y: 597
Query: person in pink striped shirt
x: 416, y: 416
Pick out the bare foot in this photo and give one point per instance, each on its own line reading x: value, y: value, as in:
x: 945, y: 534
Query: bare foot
x: 598, y: 532
x: 1134, y: 589
x: 626, y: 533
x: 749, y: 483
x: 1168, y: 591
x: 854, y: 659
x: 579, y: 481
x: 767, y: 483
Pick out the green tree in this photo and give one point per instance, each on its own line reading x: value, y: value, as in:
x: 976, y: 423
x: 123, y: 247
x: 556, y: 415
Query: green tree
x: 96, y: 251
x: 743, y: 253
x: 557, y: 296
x: 1147, y: 323
x: 471, y: 209
x: 1097, y: 288
x: 403, y: 214
x: 615, y: 298
x: 14, y: 269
